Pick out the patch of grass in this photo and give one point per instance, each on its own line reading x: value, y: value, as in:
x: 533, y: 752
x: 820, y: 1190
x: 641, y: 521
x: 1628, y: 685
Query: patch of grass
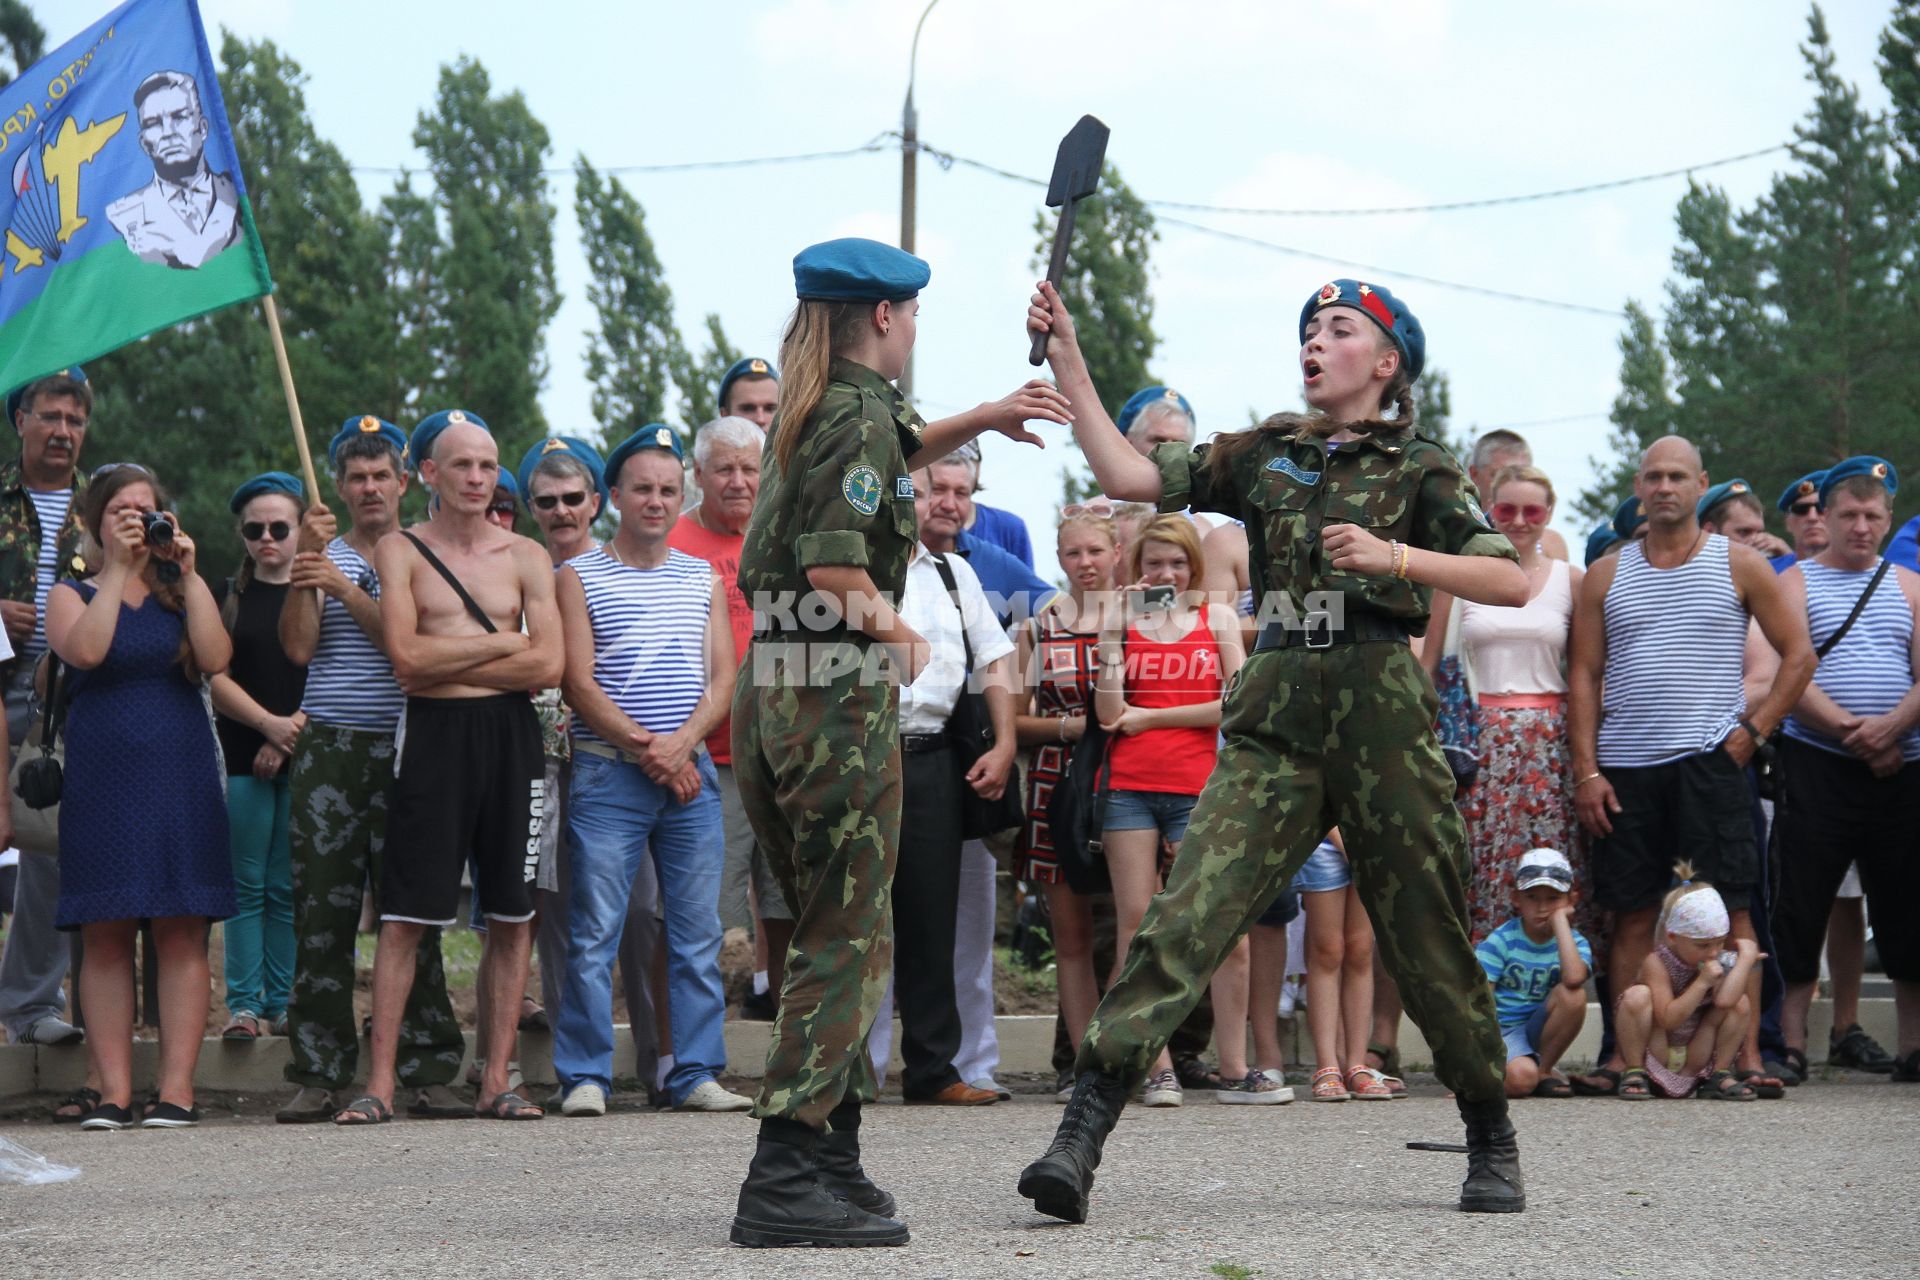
x: 1036, y: 982
x: 1232, y: 1271
x: 459, y: 952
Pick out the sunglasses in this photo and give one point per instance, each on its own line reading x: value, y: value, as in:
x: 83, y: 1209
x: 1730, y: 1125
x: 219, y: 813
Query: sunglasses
x: 1098, y: 507
x: 110, y: 467
x: 1532, y: 512
x: 277, y: 531
x: 1804, y: 508
x: 504, y: 508
x: 548, y: 501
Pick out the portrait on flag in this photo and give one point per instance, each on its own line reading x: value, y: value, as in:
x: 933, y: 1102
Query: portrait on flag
x: 188, y: 212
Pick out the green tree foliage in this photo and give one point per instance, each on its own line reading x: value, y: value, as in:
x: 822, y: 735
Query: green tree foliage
x: 23, y: 41
x: 1790, y: 337
x: 491, y: 273
x: 201, y: 403
x: 699, y: 377
x: 1433, y: 413
x: 632, y: 355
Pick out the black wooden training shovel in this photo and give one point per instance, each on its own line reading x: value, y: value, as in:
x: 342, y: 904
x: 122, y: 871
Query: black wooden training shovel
x: 1076, y: 175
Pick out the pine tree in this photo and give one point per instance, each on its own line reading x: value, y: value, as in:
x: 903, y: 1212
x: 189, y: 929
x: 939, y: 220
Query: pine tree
x: 632, y: 356
x: 22, y: 39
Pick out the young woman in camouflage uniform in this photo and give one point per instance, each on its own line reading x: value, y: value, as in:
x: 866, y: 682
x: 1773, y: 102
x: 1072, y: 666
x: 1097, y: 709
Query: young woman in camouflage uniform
x: 816, y: 715
x: 1353, y: 522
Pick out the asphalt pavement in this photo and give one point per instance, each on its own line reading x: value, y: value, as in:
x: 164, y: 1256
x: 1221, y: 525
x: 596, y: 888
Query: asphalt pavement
x: 1820, y: 1184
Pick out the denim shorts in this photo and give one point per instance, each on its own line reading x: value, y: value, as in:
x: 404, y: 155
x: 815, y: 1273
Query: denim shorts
x: 1324, y: 871
x: 1161, y: 811
x: 1523, y: 1041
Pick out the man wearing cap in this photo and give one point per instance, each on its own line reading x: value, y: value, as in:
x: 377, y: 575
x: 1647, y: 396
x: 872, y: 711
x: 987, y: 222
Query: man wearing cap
x: 750, y: 389
x: 1848, y: 763
x: 1660, y: 765
x: 1731, y: 508
x: 726, y: 471
x: 1154, y: 416
x: 40, y: 537
x: 341, y: 770
x: 563, y: 479
x: 649, y: 673
x: 1806, y: 522
x: 467, y: 786
x: 1493, y: 452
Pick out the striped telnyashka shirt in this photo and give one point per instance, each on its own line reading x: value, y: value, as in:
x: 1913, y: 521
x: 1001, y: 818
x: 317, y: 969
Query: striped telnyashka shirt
x: 1871, y: 669
x: 649, y: 636
x: 350, y: 683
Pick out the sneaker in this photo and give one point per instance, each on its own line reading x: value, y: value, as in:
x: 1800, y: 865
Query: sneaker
x: 166, y: 1115
x: 1855, y: 1048
x: 1063, y: 1088
x: 51, y: 1030
x: 1276, y: 1074
x: 1255, y: 1089
x: 708, y: 1095
x: 1162, y: 1090
x: 584, y: 1100
x: 107, y: 1116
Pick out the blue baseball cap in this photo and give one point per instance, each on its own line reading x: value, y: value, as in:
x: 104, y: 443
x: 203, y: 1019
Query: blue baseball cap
x: 264, y: 483
x: 1379, y: 305
x: 1807, y: 486
x: 655, y: 435
x: 366, y: 424
x: 19, y: 393
x: 579, y: 450
x: 420, y: 445
x: 855, y: 270
x: 1140, y: 399
x: 1718, y: 494
x: 751, y: 367
x: 1862, y: 465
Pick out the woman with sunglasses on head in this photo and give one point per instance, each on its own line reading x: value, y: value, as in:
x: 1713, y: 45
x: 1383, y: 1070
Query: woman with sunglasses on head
x: 1516, y: 666
x: 257, y: 701
x: 143, y: 830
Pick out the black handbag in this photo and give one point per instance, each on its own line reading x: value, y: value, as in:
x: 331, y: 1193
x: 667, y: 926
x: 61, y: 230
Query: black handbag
x: 40, y: 779
x: 1077, y: 810
x: 970, y: 731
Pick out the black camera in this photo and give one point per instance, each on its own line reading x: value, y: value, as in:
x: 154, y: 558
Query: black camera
x: 157, y: 528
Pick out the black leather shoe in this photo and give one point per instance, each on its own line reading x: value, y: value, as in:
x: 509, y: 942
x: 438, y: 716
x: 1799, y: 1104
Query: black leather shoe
x: 837, y: 1152
x: 785, y: 1201
x: 1493, y: 1182
x: 1059, y: 1182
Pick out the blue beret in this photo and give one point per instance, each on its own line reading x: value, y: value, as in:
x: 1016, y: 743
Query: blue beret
x: 1719, y: 494
x: 751, y: 367
x: 1382, y: 308
x: 1628, y: 516
x: 1598, y: 542
x: 1807, y: 486
x: 655, y: 435
x: 15, y: 396
x: 1861, y: 465
x: 1147, y: 395
x: 506, y: 481
x: 420, y: 445
x: 855, y: 270
x: 578, y: 449
x: 264, y: 483
x: 365, y: 424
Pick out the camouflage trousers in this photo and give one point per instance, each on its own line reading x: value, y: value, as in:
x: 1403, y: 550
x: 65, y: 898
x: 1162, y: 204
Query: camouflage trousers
x: 1315, y: 739
x: 337, y: 829
x: 819, y: 772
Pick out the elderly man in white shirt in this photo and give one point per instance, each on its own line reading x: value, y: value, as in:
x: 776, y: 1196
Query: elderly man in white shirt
x: 926, y: 885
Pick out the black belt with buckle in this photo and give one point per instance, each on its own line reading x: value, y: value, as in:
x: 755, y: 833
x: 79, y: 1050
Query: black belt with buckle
x: 1315, y: 632
x: 914, y: 744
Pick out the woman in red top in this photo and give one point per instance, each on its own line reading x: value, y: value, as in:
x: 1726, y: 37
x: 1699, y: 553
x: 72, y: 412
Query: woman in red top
x: 1158, y: 692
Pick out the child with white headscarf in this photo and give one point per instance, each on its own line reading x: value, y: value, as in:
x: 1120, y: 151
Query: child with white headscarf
x: 1690, y: 1004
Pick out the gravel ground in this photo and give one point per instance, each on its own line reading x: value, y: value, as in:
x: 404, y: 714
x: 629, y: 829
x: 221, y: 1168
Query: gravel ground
x: 1816, y: 1185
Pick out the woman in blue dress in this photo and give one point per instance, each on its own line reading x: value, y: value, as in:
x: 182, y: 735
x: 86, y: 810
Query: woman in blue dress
x: 143, y: 826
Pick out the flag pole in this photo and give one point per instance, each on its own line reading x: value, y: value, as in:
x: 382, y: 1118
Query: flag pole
x: 293, y: 401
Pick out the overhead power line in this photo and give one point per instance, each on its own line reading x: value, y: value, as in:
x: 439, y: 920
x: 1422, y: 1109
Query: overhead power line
x: 878, y: 143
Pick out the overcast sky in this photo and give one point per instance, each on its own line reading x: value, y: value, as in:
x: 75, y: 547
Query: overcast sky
x: 1237, y: 102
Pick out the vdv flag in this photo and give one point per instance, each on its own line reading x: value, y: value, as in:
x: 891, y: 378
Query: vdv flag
x: 123, y: 210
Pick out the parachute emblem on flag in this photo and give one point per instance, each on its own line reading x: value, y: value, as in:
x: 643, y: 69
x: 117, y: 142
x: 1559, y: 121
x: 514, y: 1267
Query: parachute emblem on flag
x: 46, y: 190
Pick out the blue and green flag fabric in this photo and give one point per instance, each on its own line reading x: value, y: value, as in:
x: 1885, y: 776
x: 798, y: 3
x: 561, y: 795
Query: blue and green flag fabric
x: 123, y: 210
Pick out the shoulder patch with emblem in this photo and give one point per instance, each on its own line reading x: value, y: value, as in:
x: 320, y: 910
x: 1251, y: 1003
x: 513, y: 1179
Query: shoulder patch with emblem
x: 1479, y: 516
x: 903, y: 487
x: 1286, y: 467
x: 861, y: 488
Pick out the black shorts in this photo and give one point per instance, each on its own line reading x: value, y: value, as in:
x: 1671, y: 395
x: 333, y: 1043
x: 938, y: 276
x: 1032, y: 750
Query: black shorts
x: 1696, y: 809
x: 469, y: 786
x: 1835, y: 812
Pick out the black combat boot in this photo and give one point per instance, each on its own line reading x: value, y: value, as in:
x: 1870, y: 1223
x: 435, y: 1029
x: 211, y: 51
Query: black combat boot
x: 838, y: 1156
x: 1493, y: 1182
x: 785, y: 1201
x: 1058, y: 1182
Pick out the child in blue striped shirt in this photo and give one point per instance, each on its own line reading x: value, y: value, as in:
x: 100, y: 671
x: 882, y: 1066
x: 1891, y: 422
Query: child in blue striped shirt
x: 1538, y: 966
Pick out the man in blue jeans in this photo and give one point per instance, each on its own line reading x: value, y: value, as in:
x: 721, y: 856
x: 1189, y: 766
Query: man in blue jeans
x: 650, y: 672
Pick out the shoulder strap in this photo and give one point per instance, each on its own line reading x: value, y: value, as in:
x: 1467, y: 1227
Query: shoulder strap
x: 1859, y: 606
x: 953, y: 594
x: 51, y: 712
x: 479, y: 614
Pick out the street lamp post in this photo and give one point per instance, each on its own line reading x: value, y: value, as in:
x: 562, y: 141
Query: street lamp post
x: 909, y: 153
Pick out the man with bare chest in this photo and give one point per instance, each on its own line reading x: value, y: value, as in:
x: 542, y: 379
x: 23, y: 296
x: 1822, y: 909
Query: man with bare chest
x: 468, y: 783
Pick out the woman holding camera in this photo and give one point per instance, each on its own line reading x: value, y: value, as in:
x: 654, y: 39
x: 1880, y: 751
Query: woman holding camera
x: 143, y: 827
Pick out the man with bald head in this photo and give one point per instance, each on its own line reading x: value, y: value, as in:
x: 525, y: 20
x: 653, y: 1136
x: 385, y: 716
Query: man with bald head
x: 469, y: 783
x: 1659, y: 763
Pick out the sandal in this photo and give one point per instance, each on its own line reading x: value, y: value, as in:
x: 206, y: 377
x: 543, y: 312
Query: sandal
x: 510, y: 1106
x: 1389, y: 1065
x: 1723, y: 1086
x: 1327, y: 1086
x: 1553, y: 1087
x: 533, y: 1015
x: 1764, y: 1085
x: 1797, y: 1060
x: 75, y: 1106
x: 1634, y: 1085
x: 241, y: 1026
x: 1368, y: 1085
x: 1602, y: 1082
x: 366, y: 1109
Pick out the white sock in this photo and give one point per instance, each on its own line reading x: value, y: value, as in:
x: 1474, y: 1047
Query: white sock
x: 664, y: 1070
x: 760, y: 982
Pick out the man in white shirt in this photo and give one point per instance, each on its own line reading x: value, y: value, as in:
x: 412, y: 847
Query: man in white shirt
x: 927, y: 881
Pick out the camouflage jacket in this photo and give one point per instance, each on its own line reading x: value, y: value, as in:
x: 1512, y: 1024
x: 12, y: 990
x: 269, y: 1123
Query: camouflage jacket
x: 847, y: 501
x: 20, y: 537
x: 1402, y: 486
